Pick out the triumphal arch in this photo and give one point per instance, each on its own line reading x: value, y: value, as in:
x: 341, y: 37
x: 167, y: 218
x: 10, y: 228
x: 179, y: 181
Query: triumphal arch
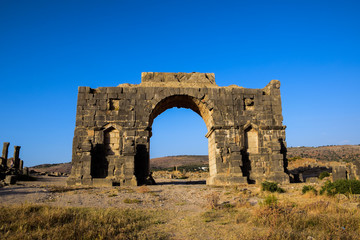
x: 113, y: 129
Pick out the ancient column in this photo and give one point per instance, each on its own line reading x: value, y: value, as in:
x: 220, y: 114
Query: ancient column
x: 21, y: 165
x: 16, y: 157
x: 5, y: 153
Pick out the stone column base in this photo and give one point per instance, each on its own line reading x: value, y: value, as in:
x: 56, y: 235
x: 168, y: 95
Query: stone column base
x: 78, y: 181
x: 279, y: 177
x: 124, y: 181
x: 106, y: 182
x: 72, y: 182
x: 226, y: 180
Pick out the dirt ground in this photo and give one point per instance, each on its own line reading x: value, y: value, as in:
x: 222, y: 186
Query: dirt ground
x: 183, y: 201
x: 168, y: 194
x: 184, y: 204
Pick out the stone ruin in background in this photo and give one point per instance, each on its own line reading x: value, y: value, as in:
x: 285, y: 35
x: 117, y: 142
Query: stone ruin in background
x: 113, y: 129
x: 10, y: 168
x: 311, y: 172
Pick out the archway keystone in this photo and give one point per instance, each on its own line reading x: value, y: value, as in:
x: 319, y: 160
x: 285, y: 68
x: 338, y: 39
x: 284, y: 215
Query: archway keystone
x: 113, y: 129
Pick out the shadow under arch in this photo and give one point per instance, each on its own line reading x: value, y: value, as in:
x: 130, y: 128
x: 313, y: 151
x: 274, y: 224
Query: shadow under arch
x: 179, y: 101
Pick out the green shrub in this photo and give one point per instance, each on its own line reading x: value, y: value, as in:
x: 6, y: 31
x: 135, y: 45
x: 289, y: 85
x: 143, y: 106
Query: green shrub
x: 324, y: 175
x: 309, y: 188
x: 270, y: 200
x: 293, y: 159
x: 271, y: 187
x: 341, y: 186
x: 227, y: 205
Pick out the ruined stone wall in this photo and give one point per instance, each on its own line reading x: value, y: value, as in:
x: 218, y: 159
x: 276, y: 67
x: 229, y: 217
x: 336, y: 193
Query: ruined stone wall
x: 113, y: 129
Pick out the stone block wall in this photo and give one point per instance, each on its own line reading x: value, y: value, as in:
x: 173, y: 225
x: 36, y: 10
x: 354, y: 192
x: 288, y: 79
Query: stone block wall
x: 113, y: 129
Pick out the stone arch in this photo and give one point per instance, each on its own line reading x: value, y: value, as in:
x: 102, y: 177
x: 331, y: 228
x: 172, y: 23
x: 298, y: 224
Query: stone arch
x: 142, y: 156
x: 244, y: 126
x: 183, y: 101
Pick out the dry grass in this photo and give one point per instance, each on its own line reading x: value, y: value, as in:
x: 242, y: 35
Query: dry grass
x: 112, y: 195
x: 320, y: 220
x: 212, y: 200
x: 45, y: 222
x: 228, y: 213
x: 143, y: 189
x: 131, y: 200
x: 62, y: 189
x: 290, y: 215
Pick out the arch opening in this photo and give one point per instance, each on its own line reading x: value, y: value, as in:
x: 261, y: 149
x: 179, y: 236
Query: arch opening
x: 178, y: 147
x: 178, y: 131
x: 187, y: 102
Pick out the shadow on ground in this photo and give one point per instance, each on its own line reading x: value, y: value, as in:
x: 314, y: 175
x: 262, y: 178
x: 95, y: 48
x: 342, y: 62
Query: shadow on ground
x: 182, y: 182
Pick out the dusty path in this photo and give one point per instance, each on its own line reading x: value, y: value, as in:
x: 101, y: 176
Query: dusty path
x: 178, y: 195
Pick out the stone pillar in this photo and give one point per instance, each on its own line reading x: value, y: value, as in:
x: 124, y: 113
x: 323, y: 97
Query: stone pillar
x: 5, y: 153
x: 21, y: 165
x: 25, y: 171
x: 16, y: 157
x: 235, y: 165
x: 129, y: 154
x: 85, y: 173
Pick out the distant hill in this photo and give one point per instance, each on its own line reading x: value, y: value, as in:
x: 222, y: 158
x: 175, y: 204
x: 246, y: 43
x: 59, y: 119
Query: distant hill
x: 155, y: 163
x: 172, y: 161
x: 57, y: 167
x: 345, y: 153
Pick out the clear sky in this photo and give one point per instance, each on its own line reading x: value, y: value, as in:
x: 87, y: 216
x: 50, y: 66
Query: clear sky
x: 49, y: 48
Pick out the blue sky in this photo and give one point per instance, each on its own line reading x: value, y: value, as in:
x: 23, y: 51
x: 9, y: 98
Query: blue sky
x: 49, y: 48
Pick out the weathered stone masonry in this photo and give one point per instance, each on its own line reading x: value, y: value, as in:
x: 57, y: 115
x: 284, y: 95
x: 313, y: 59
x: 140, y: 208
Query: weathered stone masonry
x: 113, y: 129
